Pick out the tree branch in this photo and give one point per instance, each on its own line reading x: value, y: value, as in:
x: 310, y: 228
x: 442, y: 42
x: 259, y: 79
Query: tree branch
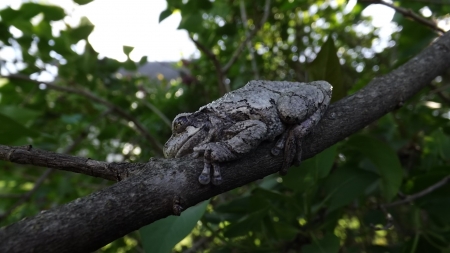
x: 216, y: 63
x: 420, y: 194
x: 222, y: 71
x: 24, y: 198
x: 409, y: 13
x: 249, y: 45
x: 90, y: 222
x: 248, y: 38
x: 139, y: 127
x: 87, y: 166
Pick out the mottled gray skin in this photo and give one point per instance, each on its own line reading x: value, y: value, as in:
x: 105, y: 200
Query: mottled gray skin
x: 238, y: 122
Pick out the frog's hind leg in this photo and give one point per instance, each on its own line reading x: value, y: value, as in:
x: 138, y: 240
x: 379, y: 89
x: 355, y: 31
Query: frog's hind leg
x: 290, y: 148
x: 281, y: 143
x: 294, y: 141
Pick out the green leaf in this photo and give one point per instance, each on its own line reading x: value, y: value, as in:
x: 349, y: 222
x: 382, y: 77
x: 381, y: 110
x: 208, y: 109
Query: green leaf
x: 80, y: 33
x: 53, y: 13
x: 82, y: 2
x: 130, y: 65
x: 248, y: 223
x: 163, y: 235
x: 441, y: 143
x: 11, y: 130
x: 8, y: 15
x: 326, y: 67
x: 328, y: 244
x: 346, y: 184
x: 23, y: 116
x: 386, y: 161
x: 127, y: 50
x: 29, y: 10
x: 43, y: 29
x: 164, y: 14
x: 143, y: 60
x: 192, y: 22
x: 311, y: 170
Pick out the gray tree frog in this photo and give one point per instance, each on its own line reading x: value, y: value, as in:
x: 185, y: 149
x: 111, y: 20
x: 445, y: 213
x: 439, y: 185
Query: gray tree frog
x: 238, y: 122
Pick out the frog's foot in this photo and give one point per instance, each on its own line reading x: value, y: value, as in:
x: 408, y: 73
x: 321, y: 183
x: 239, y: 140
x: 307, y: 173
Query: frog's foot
x: 290, y: 149
x: 205, y: 176
x: 292, y: 140
x: 280, y: 143
x: 214, y: 153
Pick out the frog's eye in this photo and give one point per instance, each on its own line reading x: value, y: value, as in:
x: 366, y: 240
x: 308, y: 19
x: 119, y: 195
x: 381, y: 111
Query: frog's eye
x: 179, y: 124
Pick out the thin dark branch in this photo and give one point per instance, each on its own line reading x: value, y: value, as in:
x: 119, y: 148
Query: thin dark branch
x: 87, y: 166
x: 157, y: 112
x: 440, y: 2
x: 139, y: 127
x: 438, y: 91
x: 11, y: 195
x: 88, y: 223
x: 411, y: 198
x: 25, y: 197
x: 249, y: 37
x: 216, y: 63
x: 249, y: 45
x: 409, y: 13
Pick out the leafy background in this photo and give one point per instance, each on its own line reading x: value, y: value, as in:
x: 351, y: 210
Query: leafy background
x: 333, y: 203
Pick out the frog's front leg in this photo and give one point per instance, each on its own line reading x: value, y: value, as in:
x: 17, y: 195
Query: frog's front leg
x: 242, y: 137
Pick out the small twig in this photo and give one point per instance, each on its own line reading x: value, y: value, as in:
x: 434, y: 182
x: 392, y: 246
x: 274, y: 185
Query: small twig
x: 221, y: 71
x: 438, y: 91
x: 413, y: 197
x: 409, y: 13
x: 216, y: 63
x: 199, y: 244
x: 443, y: 2
x: 139, y: 127
x: 250, y: 36
x: 10, y: 195
x: 249, y: 45
x: 27, y: 195
x: 157, y: 112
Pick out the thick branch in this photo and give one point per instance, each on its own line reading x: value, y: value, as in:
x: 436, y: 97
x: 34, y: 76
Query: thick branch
x: 88, y: 223
x: 140, y: 128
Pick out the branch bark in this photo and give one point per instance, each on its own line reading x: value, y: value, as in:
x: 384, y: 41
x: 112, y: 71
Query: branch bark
x: 82, y: 165
x: 88, y: 223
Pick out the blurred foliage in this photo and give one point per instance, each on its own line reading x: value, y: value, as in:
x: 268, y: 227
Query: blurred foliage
x: 329, y: 204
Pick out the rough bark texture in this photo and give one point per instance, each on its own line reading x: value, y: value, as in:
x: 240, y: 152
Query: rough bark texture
x: 82, y: 165
x: 88, y: 223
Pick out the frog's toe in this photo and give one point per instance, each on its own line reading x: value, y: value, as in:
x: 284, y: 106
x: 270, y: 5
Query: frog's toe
x: 298, y: 159
x: 217, y: 177
x: 290, y: 150
x: 205, y: 176
x: 280, y: 143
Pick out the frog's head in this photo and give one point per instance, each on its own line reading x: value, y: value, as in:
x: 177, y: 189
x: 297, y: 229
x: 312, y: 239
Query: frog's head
x: 188, y: 130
